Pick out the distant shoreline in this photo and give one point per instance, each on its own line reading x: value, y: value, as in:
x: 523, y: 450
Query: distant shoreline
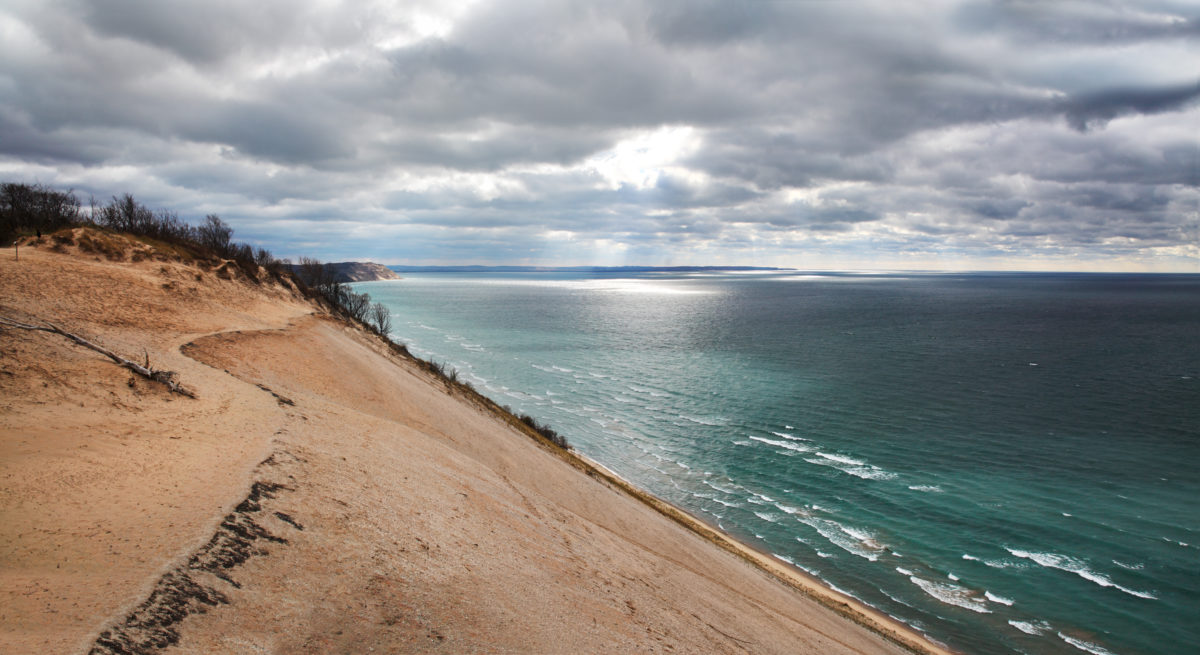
x: 579, y: 269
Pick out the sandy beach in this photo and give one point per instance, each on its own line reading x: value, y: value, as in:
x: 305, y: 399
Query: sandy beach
x: 324, y: 494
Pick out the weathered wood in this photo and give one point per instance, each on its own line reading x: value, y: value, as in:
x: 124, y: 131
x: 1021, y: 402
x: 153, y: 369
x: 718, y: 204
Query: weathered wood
x: 167, y: 378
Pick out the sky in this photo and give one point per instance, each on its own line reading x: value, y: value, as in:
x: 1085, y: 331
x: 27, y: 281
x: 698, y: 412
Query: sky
x: 809, y: 134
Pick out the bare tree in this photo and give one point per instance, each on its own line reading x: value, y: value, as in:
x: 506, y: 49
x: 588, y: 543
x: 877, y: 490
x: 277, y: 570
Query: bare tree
x: 215, y: 235
x: 25, y: 207
x: 381, y: 318
x: 357, y: 305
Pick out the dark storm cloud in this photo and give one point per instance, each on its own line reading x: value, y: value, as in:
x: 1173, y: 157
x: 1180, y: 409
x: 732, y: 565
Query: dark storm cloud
x: 1037, y: 124
x: 1096, y: 109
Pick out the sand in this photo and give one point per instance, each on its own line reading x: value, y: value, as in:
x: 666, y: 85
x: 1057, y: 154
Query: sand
x: 324, y: 494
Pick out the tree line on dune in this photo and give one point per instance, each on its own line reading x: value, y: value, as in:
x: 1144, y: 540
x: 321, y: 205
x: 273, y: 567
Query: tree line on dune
x: 34, y: 210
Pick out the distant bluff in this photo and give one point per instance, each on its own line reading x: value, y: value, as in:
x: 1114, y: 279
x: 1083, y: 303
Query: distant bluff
x: 362, y: 272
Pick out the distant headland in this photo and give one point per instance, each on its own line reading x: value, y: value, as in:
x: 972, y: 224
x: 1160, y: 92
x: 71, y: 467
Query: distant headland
x: 346, y: 272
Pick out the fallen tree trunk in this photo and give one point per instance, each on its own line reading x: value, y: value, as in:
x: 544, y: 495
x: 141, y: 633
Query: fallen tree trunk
x: 167, y: 378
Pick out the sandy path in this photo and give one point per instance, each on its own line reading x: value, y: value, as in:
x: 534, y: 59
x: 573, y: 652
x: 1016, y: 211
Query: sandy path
x: 102, y: 483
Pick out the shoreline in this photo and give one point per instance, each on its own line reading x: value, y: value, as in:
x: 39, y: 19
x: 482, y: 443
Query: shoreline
x: 766, y: 562
x: 278, y: 512
x: 792, y: 576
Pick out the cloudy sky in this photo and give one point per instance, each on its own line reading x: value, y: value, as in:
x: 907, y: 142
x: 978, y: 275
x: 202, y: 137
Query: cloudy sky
x: 859, y: 134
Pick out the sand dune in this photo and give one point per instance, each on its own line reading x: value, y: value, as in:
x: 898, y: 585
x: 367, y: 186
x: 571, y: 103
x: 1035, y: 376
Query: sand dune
x: 322, y: 494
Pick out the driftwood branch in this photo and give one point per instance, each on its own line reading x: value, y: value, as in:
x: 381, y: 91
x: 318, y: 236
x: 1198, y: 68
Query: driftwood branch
x: 167, y: 378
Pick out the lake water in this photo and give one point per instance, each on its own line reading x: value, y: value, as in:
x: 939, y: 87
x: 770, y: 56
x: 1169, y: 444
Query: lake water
x: 1006, y: 462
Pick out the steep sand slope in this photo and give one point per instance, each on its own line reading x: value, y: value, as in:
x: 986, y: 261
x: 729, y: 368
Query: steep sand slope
x: 320, y: 495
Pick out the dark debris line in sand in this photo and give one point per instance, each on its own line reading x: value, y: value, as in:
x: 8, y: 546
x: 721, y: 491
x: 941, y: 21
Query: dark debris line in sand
x: 182, y: 591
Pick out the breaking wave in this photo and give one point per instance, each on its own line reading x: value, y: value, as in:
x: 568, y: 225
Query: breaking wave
x: 1079, y: 568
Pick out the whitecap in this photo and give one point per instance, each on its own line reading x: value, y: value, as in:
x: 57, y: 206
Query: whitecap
x: 993, y: 563
x: 842, y: 458
x: 783, y: 444
x: 953, y: 594
x: 1085, y: 645
x: 793, y: 437
x: 863, y: 470
x: 904, y: 571
x: 1030, y: 628
x: 853, y: 541
x: 928, y: 488
x: 1079, y: 568
x: 771, y: 518
x: 997, y: 599
x: 732, y: 492
x: 1131, y: 567
x: 952, y: 577
x: 824, y: 554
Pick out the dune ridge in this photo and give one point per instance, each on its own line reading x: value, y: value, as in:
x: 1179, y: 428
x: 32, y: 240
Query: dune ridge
x: 324, y: 493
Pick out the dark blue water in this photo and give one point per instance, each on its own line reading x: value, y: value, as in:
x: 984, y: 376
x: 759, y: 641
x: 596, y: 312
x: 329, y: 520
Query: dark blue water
x: 1006, y: 462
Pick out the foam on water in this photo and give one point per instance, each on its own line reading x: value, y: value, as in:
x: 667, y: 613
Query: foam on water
x: 1079, y: 568
x: 771, y: 518
x: 842, y: 459
x: 713, y: 485
x: 953, y: 594
x: 927, y: 488
x: 853, y: 541
x: 786, y: 435
x: 851, y: 466
x: 992, y: 563
x: 783, y: 444
x: 1030, y: 628
x: 997, y: 599
x: 1087, y: 646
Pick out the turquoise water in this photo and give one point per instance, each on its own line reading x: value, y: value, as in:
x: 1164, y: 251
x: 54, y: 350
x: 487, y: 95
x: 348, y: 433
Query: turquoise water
x: 1006, y: 462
